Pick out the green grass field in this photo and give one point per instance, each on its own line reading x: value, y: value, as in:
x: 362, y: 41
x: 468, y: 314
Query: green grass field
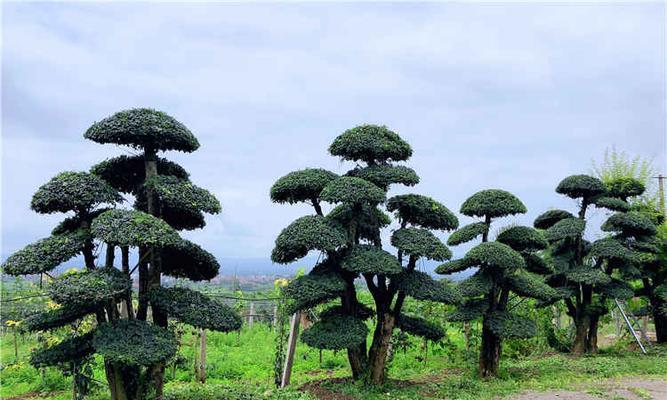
x: 240, y: 365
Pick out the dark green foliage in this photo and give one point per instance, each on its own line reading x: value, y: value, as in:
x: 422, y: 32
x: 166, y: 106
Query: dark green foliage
x: 73, y: 191
x: 194, y: 308
x: 494, y: 255
x: 87, y: 287
x: 177, y: 218
x: 569, y: 228
x: 611, y: 203
x: 510, y: 326
x: 45, y: 254
x: 478, y: 284
x: 617, y: 289
x: 185, y: 259
x: 549, y: 218
x: 367, y: 259
x: 649, y: 244
x: 631, y: 223
x: 312, y: 232
x: 134, y: 342
x: 450, y: 267
x: 384, y: 175
x: 588, y: 276
x: 348, y: 189
x: 537, y: 264
x: 419, y: 285
x: 370, y: 143
x: 527, y: 284
x: 492, y: 203
x: 336, y: 332
x: 609, y: 248
x: 580, y: 186
x: 522, y: 238
x: 74, y: 223
x: 303, y: 185
x: 467, y: 233
x: 625, y: 187
x: 310, y: 290
x: 133, y: 228
x: 422, y: 211
x: 363, y: 312
x: 71, y: 349
x: 143, y: 128
x: 369, y: 220
x: 182, y: 195
x: 127, y: 173
x: 469, y: 311
x: 57, y: 318
x: 420, y: 327
x: 419, y: 242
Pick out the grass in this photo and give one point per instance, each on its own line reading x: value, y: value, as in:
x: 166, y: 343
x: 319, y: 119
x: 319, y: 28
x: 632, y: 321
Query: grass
x: 240, y: 365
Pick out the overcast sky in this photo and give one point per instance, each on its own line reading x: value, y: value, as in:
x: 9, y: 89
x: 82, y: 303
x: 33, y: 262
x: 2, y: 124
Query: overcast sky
x: 489, y: 96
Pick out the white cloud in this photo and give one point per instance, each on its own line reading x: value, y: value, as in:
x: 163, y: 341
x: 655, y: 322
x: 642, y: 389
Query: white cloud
x: 514, y: 97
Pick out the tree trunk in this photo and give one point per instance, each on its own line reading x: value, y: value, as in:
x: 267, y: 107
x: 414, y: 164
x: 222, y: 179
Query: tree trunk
x: 582, y: 324
x: 489, y: 356
x: 660, y: 321
x: 592, y: 336
x: 377, y: 356
x: 126, y: 306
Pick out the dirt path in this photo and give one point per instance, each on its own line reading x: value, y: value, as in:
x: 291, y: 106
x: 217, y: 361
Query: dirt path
x: 619, y: 389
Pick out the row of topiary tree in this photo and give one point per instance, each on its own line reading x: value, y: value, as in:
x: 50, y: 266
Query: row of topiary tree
x: 551, y: 262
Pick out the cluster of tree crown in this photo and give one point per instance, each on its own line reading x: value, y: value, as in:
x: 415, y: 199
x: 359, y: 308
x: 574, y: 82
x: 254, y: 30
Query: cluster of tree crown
x: 550, y: 262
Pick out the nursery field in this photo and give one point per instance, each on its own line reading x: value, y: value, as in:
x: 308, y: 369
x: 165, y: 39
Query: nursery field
x: 240, y: 365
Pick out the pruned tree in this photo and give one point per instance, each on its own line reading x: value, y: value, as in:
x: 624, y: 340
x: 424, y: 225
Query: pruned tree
x: 582, y: 271
x: 349, y: 240
x: 507, y: 268
x: 632, y: 252
x: 134, y: 347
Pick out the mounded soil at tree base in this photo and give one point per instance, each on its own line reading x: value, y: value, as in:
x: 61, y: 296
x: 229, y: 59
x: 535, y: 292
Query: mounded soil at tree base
x: 624, y: 388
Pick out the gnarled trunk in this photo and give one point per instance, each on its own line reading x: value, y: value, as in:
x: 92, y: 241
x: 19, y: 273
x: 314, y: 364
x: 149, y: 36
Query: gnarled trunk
x: 489, y: 355
x: 377, y: 356
x: 358, y: 360
x: 592, y: 335
x: 582, y: 324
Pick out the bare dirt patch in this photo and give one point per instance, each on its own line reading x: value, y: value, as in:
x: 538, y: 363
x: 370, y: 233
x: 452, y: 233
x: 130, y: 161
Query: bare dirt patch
x: 628, y: 388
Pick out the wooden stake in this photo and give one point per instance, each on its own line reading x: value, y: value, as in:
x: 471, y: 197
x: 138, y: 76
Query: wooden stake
x: 291, y: 347
x: 202, y: 358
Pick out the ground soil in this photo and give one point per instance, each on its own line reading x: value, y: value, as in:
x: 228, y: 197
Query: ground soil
x: 617, y: 389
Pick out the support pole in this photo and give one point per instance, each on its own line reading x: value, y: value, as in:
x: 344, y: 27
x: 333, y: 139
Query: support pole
x: 251, y: 315
x: 291, y: 347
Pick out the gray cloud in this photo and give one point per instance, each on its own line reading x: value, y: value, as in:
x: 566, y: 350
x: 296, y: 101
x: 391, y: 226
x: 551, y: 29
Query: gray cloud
x: 507, y: 96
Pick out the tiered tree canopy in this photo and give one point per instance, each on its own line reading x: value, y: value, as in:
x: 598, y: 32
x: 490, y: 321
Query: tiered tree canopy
x: 348, y: 238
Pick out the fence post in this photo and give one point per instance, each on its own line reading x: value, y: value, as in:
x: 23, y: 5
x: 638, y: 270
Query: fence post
x: 251, y: 315
x: 291, y: 347
x: 202, y: 358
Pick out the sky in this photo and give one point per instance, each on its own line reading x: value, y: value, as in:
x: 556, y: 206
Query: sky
x: 507, y: 96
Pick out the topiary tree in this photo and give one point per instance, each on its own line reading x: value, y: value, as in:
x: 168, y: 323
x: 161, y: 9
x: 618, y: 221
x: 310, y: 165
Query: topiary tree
x: 582, y: 271
x: 506, y: 267
x: 134, y: 347
x: 633, y: 250
x: 349, y: 240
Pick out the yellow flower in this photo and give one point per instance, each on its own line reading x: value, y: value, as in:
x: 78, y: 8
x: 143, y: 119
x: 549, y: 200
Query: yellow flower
x: 13, y: 323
